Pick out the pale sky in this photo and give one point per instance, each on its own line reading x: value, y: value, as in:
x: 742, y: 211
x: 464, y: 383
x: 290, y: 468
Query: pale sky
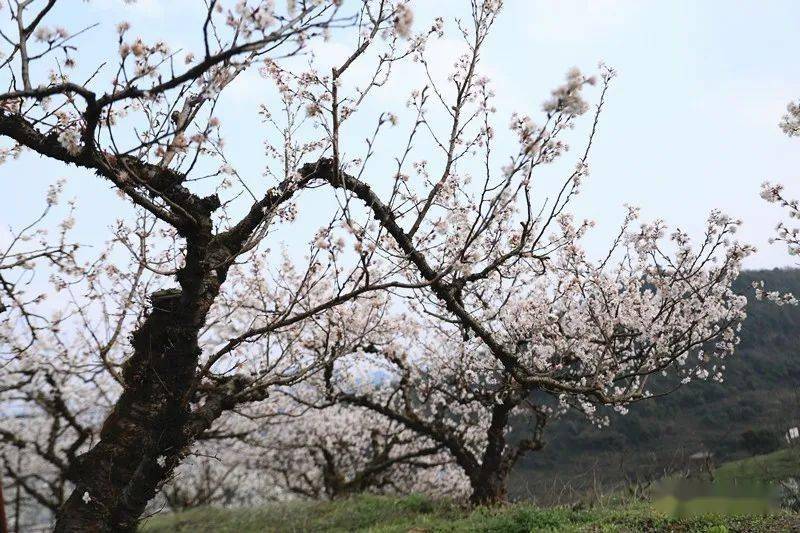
x: 690, y: 124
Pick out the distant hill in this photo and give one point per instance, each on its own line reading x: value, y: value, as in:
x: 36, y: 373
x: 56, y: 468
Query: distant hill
x: 761, y: 393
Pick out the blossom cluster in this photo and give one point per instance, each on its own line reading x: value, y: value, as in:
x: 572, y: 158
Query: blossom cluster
x: 774, y: 194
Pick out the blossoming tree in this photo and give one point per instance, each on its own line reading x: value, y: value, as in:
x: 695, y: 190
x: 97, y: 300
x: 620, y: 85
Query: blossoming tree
x: 31, y: 385
x: 292, y: 445
x: 152, y: 134
x: 340, y: 451
x: 514, y: 319
x: 774, y: 194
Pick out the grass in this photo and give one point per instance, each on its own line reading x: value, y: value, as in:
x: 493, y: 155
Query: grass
x: 772, y: 467
x: 417, y: 514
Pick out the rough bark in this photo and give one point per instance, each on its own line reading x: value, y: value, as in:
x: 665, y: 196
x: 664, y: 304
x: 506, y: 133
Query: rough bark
x: 491, y: 490
x: 3, y: 520
x: 151, y: 426
x: 146, y: 434
x: 489, y: 480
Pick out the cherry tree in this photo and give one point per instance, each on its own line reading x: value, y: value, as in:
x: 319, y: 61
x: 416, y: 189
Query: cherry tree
x: 286, y: 446
x: 514, y: 319
x: 153, y: 135
x: 36, y: 419
x: 580, y: 335
x: 305, y: 448
x: 774, y: 194
x: 328, y: 453
x: 62, y: 356
x: 346, y: 451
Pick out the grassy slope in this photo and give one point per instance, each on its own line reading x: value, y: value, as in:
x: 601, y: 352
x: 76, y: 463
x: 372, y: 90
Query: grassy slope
x: 775, y: 466
x: 418, y: 514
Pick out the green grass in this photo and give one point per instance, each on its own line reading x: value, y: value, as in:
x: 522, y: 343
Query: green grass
x: 775, y: 466
x: 418, y: 514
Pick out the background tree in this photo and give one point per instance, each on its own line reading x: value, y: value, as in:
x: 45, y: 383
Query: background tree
x: 285, y: 447
x: 37, y: 423
x: 761, y: 441
x: 341, y: 451
x: 774, y: 194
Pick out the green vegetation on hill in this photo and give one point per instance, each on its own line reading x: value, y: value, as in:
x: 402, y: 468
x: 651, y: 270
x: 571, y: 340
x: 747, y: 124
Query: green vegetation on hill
x: 381, y: 514
x: 773, y: 467
x: 761, y: 393
x: 378, y: 514
x: 416, y: 514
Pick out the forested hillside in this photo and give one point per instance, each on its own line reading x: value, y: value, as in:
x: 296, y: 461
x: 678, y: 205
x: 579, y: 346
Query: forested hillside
x: 761, y: 393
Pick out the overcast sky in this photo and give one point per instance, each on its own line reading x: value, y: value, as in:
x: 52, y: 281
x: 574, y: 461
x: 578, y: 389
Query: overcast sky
x: 691, y: 122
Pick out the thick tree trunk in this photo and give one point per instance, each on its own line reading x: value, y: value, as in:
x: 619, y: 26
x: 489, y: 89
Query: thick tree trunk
x: 491, y: 489
x: 144, y: 437
x: 3, y: 519
x: 490, y: 479
x: 489, y: 482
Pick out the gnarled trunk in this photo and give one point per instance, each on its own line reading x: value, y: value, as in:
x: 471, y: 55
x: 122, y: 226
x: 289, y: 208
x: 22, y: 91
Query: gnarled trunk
x: 142, y: 440
x: 489, y: 479
x: 3, y: 520
x: 491, y: 489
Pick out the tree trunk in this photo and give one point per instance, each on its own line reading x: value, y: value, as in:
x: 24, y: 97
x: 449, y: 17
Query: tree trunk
x: 144, y: 437
x: 491, y: 489
x: 3, y: 519
x: 489, y: 480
